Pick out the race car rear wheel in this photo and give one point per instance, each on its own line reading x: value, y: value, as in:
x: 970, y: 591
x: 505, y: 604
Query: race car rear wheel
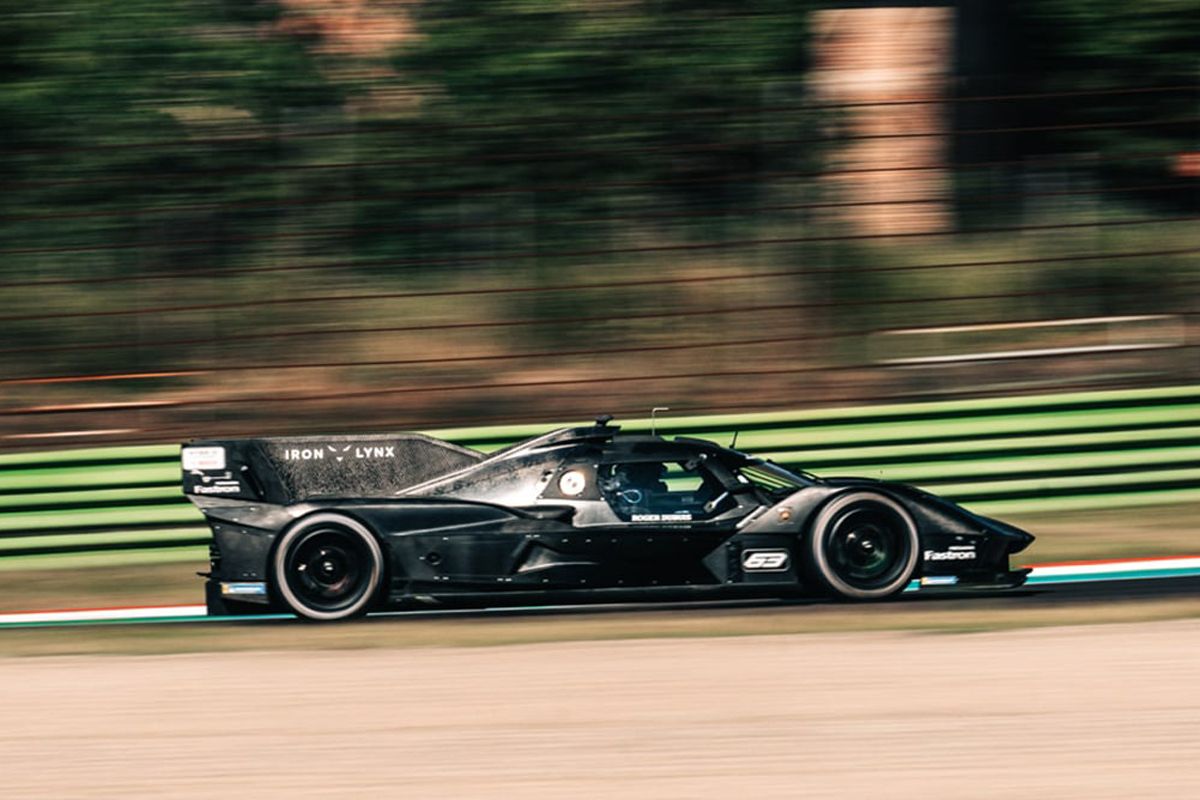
x: 862, y: 546
x: 328, y: 567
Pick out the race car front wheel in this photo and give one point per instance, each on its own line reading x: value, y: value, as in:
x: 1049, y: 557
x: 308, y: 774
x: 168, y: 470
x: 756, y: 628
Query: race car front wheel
x: 862, y: 546
x: 328, y: 567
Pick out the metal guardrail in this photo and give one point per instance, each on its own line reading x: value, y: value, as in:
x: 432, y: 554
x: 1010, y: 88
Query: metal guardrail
x: 1006, y: 455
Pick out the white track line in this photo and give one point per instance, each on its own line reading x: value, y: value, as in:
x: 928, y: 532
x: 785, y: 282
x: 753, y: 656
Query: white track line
x: 1108, y: 567
x: 93, y: 614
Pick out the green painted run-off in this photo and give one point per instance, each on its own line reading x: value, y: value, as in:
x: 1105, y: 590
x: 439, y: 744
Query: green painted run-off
x: 1066, y: 452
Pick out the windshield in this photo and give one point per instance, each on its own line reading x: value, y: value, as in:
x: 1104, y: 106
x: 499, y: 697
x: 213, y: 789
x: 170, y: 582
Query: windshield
x: 770, y: 476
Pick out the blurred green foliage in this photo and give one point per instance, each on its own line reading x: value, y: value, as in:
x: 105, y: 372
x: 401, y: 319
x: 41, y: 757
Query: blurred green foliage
x: 1075, y: 53
x: 121, y: 106
x: 213, y: 129
x: 525, y: 143
x: 668, y: 96
x: 558, y: 128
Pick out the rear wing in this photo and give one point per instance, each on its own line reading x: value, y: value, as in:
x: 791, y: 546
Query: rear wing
x: 290, y: 469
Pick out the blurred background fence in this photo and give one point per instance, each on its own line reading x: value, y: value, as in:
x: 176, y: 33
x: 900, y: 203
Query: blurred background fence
x: 228, y: 218
x: 225, y: 218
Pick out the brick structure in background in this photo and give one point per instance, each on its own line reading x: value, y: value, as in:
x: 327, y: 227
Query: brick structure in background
x: 879, y: 54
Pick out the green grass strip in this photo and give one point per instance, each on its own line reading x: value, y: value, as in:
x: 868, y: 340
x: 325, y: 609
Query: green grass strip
x: 853, y: 437
x: 32, y: 480
x: 1014, y: 443
x: 85, y: 454
x: 1087, y: 502
x: 1060, y: 462
x: 196, y: 555
x: 720, y: 422
x: 99, y: 517
x: 865, y: 433
x: 969, y: 431
x: 1133, y: 480
x: 199, y: 535
x: 110, y: 496
x: 859, y: 433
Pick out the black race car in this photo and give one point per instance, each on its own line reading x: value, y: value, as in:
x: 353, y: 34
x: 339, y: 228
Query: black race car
x: 333, y: 527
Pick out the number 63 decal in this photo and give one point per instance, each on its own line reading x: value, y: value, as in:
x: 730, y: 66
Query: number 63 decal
x: 764, y: 560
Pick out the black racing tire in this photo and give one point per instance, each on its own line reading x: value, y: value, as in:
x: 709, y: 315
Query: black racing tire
x: 328, y: 567
x: 862, y: 545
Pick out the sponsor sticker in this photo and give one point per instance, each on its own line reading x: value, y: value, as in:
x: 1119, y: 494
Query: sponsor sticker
x: 765, y: 560
x: 960, y: 553
x: 682, y: 516
x: 203, y: 458
x: 333, y: 453
x: 254, y: 589
x: 217, y: 488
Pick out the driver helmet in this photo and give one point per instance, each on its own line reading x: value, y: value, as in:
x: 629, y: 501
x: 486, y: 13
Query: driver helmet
x: 644, y: 475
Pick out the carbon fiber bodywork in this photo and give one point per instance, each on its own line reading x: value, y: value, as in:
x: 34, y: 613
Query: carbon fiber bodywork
x: 538, y: 522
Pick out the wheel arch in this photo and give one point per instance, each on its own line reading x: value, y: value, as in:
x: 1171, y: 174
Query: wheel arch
x: 308, y: 515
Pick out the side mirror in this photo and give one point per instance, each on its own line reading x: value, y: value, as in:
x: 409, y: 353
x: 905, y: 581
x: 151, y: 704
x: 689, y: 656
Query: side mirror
x: 734, y: 490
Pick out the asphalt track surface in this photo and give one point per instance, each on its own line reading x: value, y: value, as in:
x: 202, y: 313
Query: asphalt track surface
x: 1102, y: 711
